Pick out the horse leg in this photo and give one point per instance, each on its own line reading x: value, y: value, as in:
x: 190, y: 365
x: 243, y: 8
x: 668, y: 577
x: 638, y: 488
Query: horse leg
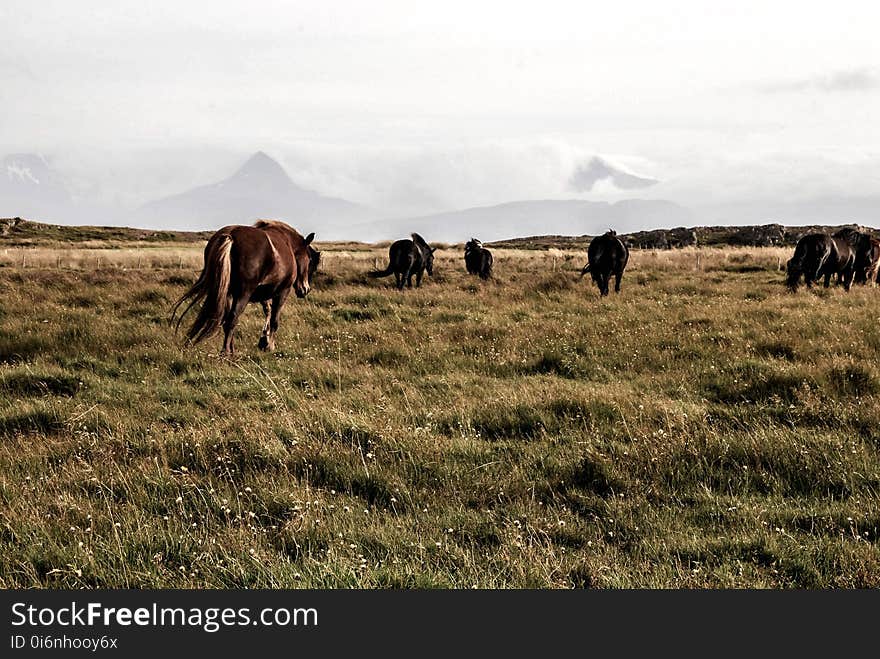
x: 408, y: 277
x: 231, y: 320
x: 617, y: 277
x: 827, y: 279
x: 398, y: 280
x: 265, y: 343
x: 418, y: 278
x: 277, y: 302
x: 809, y: 278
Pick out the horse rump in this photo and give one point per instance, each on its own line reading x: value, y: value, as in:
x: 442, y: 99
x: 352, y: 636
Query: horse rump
x: 607, y: 256
x: 212, y: 287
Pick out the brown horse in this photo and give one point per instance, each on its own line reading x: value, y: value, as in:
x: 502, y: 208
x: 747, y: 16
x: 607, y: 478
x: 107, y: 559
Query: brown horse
x: 248, y: 264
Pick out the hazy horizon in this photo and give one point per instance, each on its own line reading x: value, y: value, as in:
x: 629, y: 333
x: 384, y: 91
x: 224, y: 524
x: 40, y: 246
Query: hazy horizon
x: 412, y: 109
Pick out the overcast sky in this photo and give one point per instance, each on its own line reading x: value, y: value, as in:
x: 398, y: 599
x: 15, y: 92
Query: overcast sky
x: 432, y: 104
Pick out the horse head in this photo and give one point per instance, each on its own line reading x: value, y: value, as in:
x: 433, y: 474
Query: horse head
x: 426, y: 251
x: 429, y: 260
x: 307, y: 259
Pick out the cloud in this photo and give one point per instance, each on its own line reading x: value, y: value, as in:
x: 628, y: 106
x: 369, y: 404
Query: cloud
x: 441, y: 177
x: 852, y: 80
x: 597, y: 170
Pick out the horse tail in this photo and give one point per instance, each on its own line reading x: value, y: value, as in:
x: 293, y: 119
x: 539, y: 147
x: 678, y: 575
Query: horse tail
x: 212, y: 287
x: 382, y: 273
x: 829, y: 254
x: 487, y: 270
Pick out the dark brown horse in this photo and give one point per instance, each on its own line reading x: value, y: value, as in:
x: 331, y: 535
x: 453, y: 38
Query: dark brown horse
x: 817, y: 255
x: 872, y: 273
x: 866, y: 252
x: 248, y: 264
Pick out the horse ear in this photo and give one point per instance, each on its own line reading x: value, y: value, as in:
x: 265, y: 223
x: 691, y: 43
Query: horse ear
x: 433, y: 249
x: 309, y: 238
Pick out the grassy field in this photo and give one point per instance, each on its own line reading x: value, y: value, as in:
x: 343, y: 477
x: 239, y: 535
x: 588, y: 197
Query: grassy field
x: 704, y: 428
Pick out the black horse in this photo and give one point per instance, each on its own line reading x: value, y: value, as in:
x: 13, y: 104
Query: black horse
x: 817, y: 255
x: 606, y: 256
x: 407, y: 258
x: 477, y: 259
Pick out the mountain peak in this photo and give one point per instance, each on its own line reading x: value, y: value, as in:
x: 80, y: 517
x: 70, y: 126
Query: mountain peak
x: 260, y: 188
x: 261, y: 167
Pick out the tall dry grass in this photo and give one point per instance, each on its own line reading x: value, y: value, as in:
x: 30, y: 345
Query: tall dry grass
x: 704, y: 428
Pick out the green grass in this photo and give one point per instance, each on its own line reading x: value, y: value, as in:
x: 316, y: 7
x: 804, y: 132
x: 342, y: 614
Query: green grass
x: 704, y: 428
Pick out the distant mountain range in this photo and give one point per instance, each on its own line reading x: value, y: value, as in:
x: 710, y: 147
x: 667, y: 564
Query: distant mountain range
x: 260, y: 188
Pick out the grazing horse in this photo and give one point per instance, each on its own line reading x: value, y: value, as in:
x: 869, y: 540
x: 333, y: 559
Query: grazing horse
x: 817, y: 255
x: 477, y: 259
x: 407, y: 258
x: 244, y: 264
x: 606, y: 256
x: 872, y: 273
x: 865, y: 257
